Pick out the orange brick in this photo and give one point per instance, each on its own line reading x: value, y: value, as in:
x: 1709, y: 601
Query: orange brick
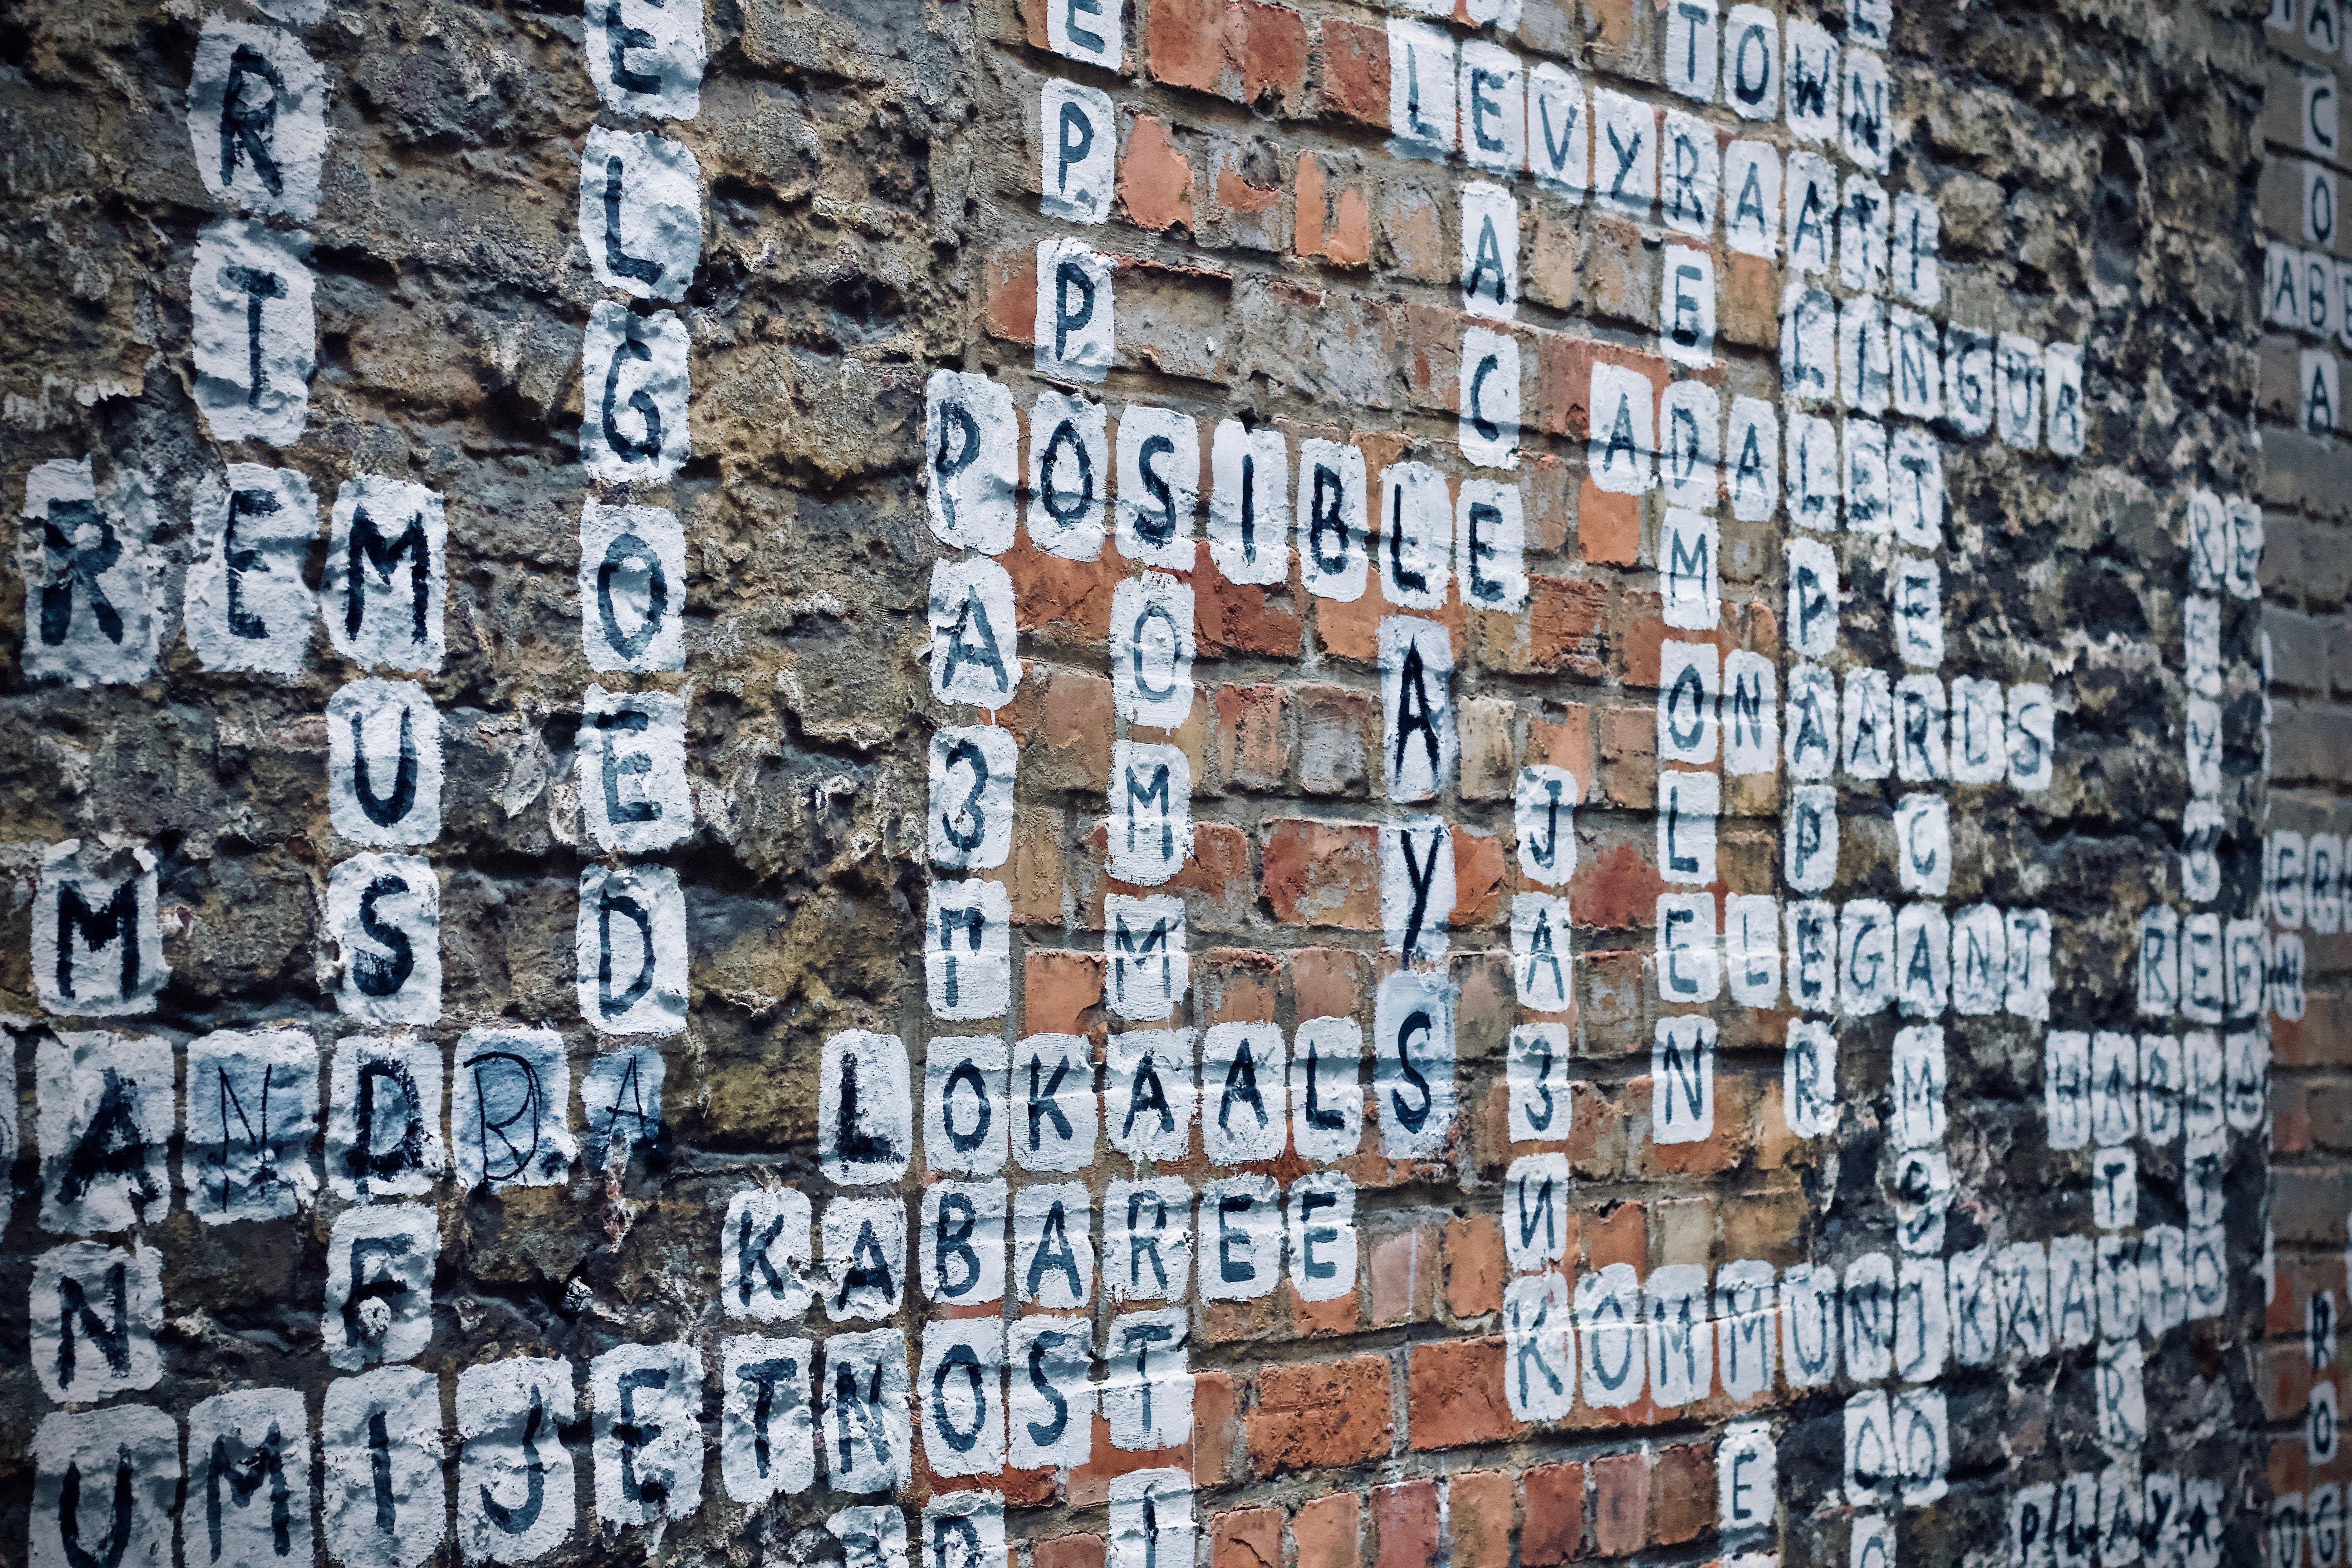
x: 1155, y: 179
x: 1246, y: 1538
x: 1455, y: 1394
x: 1355, y: 75
x: 1620, y: 1236
x: 1554, y: 1514
x: 1010, y: 311
x: 1217, y: 1440
x: 1320, y: 1414
x: 1404, y: 1522
x: 1184, y: 42
x: 1479, y: 1505
x: 1329, y: 982
x: 1269, y: 44
x: 1475, y: 1267
x: 1329, y: 1532
x: 1608, y: 526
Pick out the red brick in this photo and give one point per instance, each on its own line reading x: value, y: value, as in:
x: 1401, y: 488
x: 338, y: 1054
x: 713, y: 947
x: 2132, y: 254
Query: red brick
x: 1558, y: 633
x: 1555, y: 1516
x: 1246, y: 1538
x: 1329, y: 1532
x: 1478, y: 1509
x: 1682, y: 1500
x: 1242, y: 617
x: 1010, y: 311
x: 1404, y: 1271
x: 1155, y: 179
x: 1620, y: 1236
x: 1320, y: 1414
x: 1269, y: 44
x: 1355, y: 75
x: 1072, y: 595
x: 1475, y: 1267
x: 1184, y: 41
x: 1068, y: 1551
x: 1324, y: 873
x: 1565, y: 743
x: 1614, y: 888
x: 1404, y: 1525
x: 1060, y: 992
x: 1456, y: 1394
x: 1253, y: 736
x: 1480, y: 868
x: 1217, y: 1440
x: 1621, y: 1503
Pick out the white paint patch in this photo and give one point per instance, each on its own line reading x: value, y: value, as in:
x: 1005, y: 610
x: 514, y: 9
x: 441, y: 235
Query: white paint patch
x: 1682, y: 1335
x: 1688, y: 805
x: 1690, y: 414
x: 1867, y: 506
x: 1916, y: 344
x: 634, y: 368
x: 647, y: 1437
x: 1923, y: 1319
x: 632, y: 577
x: 249, y: 1460
x: 1536, y: 1191
x: 960, y: 1248
x: 1813, y: 955
x: 1149, y: 1096
x: 92, y: 583
x: 1157, y: 494
x: 1751, y: 948
x: 252, y: 1111
x: 98, y: 946
x: 864, y: 1272
x: 1539, y: 1348
x: 1625, y: 152
x: 95, y: 1313
x: 640, y: 212
x: 1416, y: 536
x: 1686, y: 313
x: 253, y: 331
x: 1919, y: 1428
x: 386, y: 1497
x: 1916, y: 487
x: 1146, y: 1390
x: 1327, y: 1096
x: 1917, y: 231
x: 1692, y: 587
x: 967, y: 1109
x: 1489, y: 398
x: 1421, y: 88
x: 1320, y: 1214
x: 965, y: 1530
x: 384, y: 1118
x: 386, y: 576
x: 1151, y: 648
x: 384, y: 764
x: 1241, y: 1237
x: 1151, y: 826
x: 1077, y: 141
x: 1050, y: 1406
x: 2017, y: 396
x: 1751, y: 181
x: 1559, y: 147
x: 1918, y: 589
x: 1335, y: 554
x: 1145, y: 946
x: 962, y: 1382
x: 509, y: 1105
x: 1412, y: 1073
x: 257, y: 119
x: 1543, y: 821
x: 1809, y: 1324
x: 1490, y: 247
x: 1745, y: 1332
x: 1813, y: 608
x: 1923, y: 961
x: 1812, y: 81
x: 1622, y: 447
x: 1419, y: 744
x: 105, y: 1487
x: 1865, y: 957
x: 1752, y: 63
x: 634, y: 794
x: 104, y: 1119
x: 1809, y: 343
x: 1493, y: 106
x: 767, y: 1428
x: 379, y: 1303
x: 1814, y: 474
x: 1862, y: 129
x: 1979, y: 731
x: 864, y: 1428
x: 872, y: 1535
x: 1810, y: 841
x: 866, y: 1108
x: 1152, y: 1519
x: 1542, y: 965
x: 1148, y: 1239
x: 645, y: 56
x: 1862, y: 235
x: 1609, y: 1330
x: 972, y: 438
x: 1869, y: 718
x: 1076, y: 332
x: 247, y: 609
x: 1417, y: 890
x: 1057, y: 1074
x: 621, y: 1103
x: 1069, y: 465
x: 972, y: 634
x: 1969, y: 380
x: 1689, y: 700
x: 1243, y: 1107
x: 1682, y: 1078
x: 384, y: 916
x: 766, y: 1267
x: 516, y: 1496
x: 1751, y: 742
x: 1811, y: 200
x: 1923, y: 839
x: 631, y: 951
x: 1869, y: 1450
x: 1865, y: 360
x: 1747, y: 1481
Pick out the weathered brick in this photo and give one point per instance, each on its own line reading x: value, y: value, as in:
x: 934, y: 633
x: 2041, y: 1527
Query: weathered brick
x: 1456, y: 1394
x: 1321, y: 1415
x: 1324, y: 873
x: 1328, y: 1532
x: 1554, y: 1509
x: 1479, y: 1505
x: 1404, y: 1525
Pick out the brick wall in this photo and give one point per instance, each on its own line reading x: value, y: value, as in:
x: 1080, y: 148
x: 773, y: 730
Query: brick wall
x: 1098, y: 784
